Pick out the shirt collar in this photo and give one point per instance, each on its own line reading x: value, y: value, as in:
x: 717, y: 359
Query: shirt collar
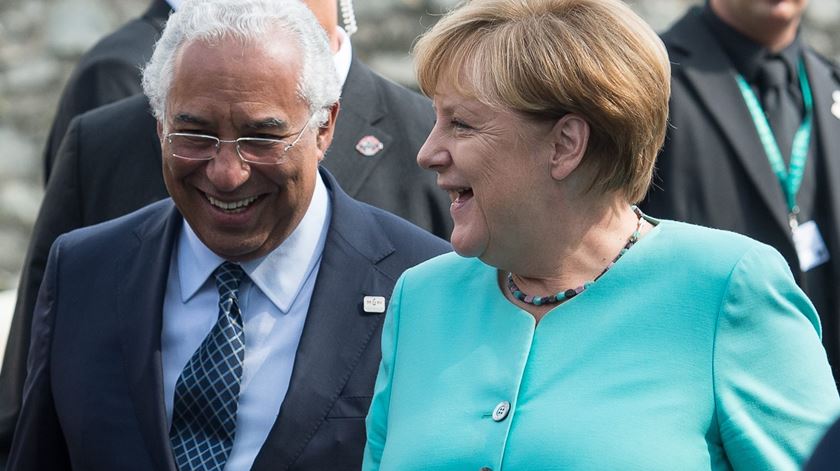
x: 746, y: 55
x: 280, y: 275
x: 343, y: 56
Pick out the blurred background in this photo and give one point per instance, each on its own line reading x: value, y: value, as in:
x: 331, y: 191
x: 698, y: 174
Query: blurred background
x: 41, y: 40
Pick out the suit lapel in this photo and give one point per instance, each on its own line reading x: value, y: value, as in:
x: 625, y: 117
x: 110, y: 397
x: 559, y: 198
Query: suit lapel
x: 824, y: 82
x: 337, y: 331
x: 140, y: 305
x: 361, y: 109
x: 708, y: 70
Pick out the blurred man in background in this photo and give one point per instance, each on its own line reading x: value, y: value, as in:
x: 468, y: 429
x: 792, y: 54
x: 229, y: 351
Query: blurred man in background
x: 108, y: 72
x: 754, y: 142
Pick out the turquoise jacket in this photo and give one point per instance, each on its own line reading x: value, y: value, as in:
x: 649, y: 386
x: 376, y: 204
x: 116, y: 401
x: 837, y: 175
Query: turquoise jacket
x: 696, y: 351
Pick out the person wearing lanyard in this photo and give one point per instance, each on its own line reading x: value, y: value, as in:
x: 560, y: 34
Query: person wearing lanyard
x: 754, y: 141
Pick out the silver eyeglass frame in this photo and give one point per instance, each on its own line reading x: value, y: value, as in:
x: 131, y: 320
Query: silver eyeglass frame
x: 219, y: 142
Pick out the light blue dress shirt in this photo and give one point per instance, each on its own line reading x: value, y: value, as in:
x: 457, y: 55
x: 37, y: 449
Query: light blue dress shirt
x: 274, y: 301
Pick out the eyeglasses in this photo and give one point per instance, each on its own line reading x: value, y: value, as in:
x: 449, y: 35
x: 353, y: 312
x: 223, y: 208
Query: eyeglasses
x: 255, y: 150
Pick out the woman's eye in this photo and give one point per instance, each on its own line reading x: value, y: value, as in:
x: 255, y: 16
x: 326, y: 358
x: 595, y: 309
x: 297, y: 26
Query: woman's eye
x: 458, y: 124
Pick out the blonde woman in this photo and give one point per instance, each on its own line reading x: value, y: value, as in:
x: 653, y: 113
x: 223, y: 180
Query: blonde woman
x: 571, y: 331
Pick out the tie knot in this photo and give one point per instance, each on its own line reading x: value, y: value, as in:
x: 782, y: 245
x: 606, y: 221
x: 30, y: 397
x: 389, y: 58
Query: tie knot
x: 228, y: 276
x: 774, y: 74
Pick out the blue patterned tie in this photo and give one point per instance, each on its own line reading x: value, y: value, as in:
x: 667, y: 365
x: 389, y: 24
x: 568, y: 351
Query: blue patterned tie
x: 207, y: 392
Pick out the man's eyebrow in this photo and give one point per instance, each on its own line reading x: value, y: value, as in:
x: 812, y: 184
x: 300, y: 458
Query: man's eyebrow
x: 268, y: 123
x: 186, y: 118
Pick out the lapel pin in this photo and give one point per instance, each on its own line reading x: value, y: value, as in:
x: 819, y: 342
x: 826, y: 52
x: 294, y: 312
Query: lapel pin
x: 835, y: 108
x: 375, y: 304
x: 369, y: 146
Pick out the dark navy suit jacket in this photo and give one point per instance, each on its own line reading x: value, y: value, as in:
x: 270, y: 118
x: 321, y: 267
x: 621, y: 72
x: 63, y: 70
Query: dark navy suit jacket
x: 93, y: 398
x: 826, y: 456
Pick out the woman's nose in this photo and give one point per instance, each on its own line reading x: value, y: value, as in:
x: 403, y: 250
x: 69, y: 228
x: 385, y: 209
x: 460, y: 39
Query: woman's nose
x: 433, y: 155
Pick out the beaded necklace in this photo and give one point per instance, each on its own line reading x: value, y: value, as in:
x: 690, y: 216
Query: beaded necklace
x: 568, y: 294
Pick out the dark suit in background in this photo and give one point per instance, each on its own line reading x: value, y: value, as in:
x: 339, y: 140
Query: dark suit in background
x: 110, y: 165
x: 826, y: 456
x: 94, y: 397
x: 713, y: 170
x: 106, y: 73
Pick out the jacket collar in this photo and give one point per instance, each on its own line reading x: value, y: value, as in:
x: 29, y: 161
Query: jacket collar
x: 157, y: 14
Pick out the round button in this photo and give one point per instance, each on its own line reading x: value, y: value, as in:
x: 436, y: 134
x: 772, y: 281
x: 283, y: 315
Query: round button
x: 501, y: 411
x: 486, y: 468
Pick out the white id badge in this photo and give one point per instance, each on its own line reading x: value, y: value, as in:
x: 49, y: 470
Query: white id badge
x: 810, y: 247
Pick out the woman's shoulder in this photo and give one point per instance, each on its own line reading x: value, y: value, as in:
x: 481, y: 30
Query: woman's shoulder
x: 449, y: 272
x: 706, y: 241
x: 447, y: 264
x: 707, y: 251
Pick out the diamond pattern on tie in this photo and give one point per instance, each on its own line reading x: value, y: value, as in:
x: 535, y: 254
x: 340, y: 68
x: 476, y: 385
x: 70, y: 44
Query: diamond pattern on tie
x: 207, y: 392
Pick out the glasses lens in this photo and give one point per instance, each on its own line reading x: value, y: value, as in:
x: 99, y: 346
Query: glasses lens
x: 193, y: 147
x: 260, y: 150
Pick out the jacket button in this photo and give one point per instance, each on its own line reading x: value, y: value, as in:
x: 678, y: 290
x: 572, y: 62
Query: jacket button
x: 486, y: 468
x: 501, y: 411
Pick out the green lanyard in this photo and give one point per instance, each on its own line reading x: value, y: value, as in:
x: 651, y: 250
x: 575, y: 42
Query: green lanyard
x: 790, y: 179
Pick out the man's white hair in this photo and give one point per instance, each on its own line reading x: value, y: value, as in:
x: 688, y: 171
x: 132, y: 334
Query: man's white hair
x: 249, y: 20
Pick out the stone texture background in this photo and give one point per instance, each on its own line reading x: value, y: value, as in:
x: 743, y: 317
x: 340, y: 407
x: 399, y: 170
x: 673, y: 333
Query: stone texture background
x: 40, y: 41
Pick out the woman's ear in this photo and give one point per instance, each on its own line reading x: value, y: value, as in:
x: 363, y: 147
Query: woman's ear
x: 571, y: 136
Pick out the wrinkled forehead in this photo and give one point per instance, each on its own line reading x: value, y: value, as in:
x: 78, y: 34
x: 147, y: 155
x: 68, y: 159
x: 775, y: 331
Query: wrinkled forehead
x: 236, y: 79
x: 254, y: 53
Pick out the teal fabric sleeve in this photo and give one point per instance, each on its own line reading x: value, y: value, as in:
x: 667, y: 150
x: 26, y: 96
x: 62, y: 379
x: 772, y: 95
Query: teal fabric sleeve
x: 766, y: 398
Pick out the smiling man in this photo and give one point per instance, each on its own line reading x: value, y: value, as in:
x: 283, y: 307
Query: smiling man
x: 110, y: 164
x: 234, y: 326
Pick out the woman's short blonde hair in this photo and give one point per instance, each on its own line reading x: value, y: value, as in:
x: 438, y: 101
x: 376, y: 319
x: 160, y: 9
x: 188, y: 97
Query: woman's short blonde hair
x: 546, y: 58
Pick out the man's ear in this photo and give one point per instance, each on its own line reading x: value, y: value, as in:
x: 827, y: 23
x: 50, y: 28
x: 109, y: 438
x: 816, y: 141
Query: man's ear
x: 160, y: 130
x: 325, y: 131
x: 571, y: 137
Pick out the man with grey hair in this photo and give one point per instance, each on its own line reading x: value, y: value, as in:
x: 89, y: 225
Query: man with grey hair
x: 110, y: 165
x: 236, y: 325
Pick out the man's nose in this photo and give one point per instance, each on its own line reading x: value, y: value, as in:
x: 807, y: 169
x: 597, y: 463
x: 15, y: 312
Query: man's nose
x: 227, y: 171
